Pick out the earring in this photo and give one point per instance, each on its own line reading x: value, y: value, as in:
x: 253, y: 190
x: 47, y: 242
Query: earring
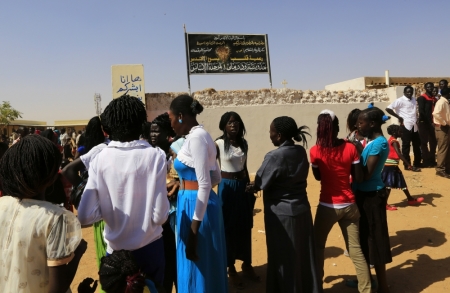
x: 180, y: 121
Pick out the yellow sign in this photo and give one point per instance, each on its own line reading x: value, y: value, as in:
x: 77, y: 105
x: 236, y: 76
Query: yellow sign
x: 128, y: 79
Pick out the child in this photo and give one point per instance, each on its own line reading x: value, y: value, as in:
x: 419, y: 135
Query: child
x: 41, y: 242
x: 392, y: 175
x: 353, y: 136
x: 119, y: 273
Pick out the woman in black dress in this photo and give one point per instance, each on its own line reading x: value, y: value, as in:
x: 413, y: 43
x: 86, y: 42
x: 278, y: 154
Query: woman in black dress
x: 291, y: 262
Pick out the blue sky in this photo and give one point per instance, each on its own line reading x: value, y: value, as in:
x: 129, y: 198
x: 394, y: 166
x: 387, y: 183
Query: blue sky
x: 56, y: 54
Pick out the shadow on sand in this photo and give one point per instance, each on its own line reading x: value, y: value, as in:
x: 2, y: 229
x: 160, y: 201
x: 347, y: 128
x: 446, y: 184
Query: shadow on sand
x: 415, y: 274
x: 428, y: 198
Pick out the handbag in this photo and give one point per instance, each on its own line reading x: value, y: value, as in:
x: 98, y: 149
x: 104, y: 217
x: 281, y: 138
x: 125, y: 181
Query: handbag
x: 77, y: 192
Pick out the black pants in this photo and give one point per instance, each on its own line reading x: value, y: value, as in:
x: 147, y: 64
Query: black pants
x: 428, y: 136
x: 408, y: 137
x: 170, y: 254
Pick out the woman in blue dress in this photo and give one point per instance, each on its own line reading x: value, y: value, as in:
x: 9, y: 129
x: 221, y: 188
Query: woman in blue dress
x: 201, y: 249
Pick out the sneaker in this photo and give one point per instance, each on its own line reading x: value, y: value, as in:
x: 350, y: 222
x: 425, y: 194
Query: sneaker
x: 442, y: 174
x: 415, y: 201
x: 390, y: 208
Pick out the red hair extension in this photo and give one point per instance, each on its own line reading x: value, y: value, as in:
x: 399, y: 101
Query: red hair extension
x: 324, y: 131
x: 135, y: 283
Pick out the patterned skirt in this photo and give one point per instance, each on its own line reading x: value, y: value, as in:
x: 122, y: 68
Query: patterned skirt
x: 393, y: 178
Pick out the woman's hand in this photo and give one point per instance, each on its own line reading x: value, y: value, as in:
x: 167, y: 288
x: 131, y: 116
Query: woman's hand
x: 172, y: 189
x: 191, y: 245
x: 250, y: 188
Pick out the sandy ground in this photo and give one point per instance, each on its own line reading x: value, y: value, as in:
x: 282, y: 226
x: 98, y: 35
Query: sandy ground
x: 418, y: 235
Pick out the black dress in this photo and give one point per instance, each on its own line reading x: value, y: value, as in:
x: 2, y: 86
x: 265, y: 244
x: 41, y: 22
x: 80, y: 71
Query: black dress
x: 291, y: 261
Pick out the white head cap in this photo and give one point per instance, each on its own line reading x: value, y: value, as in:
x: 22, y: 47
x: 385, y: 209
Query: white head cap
x: 329, y: 112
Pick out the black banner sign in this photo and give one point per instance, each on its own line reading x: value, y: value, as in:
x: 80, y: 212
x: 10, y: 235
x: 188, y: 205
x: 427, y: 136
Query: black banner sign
x: 225, y: 53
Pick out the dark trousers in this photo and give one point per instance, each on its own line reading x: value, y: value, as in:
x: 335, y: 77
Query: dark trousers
x: 408, y: 137
x: 170, y: 254
x: 443, y: 153
x: 427, y: 137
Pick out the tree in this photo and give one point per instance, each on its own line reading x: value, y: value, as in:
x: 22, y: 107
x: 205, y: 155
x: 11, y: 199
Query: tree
x: 8, y: 114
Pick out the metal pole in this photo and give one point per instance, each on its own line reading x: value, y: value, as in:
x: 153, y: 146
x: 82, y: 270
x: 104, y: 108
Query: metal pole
x: 187, y: 59
x: 268, y: 61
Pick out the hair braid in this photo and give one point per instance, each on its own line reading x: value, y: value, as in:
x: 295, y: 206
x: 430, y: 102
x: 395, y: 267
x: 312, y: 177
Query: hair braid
x: 325, y: 133
x: 163, y: 121
x: 240, y: 136
x: 124, y: 117
x: 120, y: 269
x: 29, y: 166
x: 287, y: 127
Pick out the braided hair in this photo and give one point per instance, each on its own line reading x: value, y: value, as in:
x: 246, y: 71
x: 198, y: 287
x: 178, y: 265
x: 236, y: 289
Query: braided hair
x: 29, y: 166
x: 186, y: 105
x: 376, y: 115
x: 146, y: 130
x: 326, y: 130
x: 123, y: 118
x: 393, y: 129
x: 287, y: 127
x: 163, y: 121
x: 240, y: 136
x: 352, y: 119
x: 120, y: 270
x: 94, y: 134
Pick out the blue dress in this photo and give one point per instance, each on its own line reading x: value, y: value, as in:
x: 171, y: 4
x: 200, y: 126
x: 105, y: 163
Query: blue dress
x: 209, y: 273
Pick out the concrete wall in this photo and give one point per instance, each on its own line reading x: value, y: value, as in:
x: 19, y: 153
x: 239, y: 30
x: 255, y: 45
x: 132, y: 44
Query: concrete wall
x: 355, y: 84
x: 259, y: 108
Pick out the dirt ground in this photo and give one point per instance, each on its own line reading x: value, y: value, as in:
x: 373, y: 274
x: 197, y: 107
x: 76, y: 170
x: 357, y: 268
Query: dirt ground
x: 418, y: 235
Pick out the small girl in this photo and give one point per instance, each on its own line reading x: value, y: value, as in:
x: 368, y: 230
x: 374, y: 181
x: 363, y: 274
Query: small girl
x: 353, y: 136
x: 392, y: 175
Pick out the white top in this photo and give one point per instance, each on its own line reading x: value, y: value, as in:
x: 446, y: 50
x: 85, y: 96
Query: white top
x: 407, y: 109
x: 64, y: 138
x: 199, y: 152
x: 127, y: 189
x: 233, y: 160
x: 87, y: 158
x: 34, y: 236
x: 441, y: 112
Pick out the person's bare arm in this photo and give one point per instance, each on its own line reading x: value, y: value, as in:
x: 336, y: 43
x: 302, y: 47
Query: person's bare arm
x: 60, y: 277
x: 316, y: 173
x: 71, y: 172
x: 392, y: 112
x: 396, y: 146
x: 357, y: 173
x: 371, y: 164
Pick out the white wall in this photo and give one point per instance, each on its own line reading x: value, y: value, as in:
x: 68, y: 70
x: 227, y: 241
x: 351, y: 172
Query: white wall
x: 354, y: 84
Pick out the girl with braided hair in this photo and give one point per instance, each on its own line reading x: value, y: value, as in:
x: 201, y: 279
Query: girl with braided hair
x: 371, y: 195
x: 201, y: 249
x: 291, y: 256
x: 332, y: 161
x: 159, y: 134
x: 127, y: 188
x: 237, y: 208
x: 41, y: 242
x: 119, y: 273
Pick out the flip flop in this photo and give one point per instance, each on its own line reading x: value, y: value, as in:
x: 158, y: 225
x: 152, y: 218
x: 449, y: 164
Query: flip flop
x: 390, y: 208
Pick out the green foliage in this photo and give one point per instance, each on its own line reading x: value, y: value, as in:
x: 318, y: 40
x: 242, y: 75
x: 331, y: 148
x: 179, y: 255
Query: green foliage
x: 8, y: 114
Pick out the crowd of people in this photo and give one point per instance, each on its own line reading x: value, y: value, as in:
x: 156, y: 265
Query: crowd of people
x: 147, y: 188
